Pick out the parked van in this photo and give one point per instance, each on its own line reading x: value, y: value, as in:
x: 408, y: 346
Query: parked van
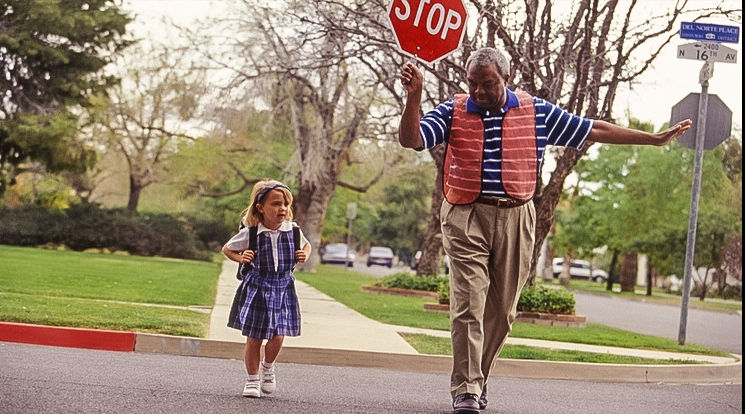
x: 580, y: 269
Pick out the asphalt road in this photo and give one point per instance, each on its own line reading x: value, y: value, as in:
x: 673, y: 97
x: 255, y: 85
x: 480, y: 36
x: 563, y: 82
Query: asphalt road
x: 360, y: 266
x: 41, y: 379
x: 708, y: 328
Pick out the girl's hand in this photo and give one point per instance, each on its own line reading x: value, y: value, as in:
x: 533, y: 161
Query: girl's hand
x: 301, y: 256
x: 247, y: 256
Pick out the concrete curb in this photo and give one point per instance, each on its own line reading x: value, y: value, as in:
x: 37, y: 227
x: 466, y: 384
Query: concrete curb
x: 511, y: 368
x: 210, y: 348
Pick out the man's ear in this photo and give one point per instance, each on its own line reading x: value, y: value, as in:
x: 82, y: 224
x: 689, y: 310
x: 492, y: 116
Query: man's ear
x: 506, y: 79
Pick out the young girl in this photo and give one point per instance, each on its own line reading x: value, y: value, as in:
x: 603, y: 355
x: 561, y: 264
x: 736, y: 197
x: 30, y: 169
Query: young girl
x: 266, y: 304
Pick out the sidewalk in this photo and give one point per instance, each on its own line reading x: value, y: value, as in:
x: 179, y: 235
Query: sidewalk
x: 340, y: 333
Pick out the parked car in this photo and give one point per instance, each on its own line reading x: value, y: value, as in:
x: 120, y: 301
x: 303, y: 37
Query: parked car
x: 380, y: 255
x: 580, y: 269
x: 338, y: 253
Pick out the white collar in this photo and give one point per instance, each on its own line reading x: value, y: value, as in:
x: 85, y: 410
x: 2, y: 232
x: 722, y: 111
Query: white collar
x: 285, y: 226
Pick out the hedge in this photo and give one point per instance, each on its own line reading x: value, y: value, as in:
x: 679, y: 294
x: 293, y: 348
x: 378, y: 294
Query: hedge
x: 89, y: 226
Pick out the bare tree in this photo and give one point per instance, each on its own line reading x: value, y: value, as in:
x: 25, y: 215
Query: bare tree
x: 148, y: 114
x: 315, y: 75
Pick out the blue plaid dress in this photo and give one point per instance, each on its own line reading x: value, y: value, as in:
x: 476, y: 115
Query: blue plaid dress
x: 266, y: 303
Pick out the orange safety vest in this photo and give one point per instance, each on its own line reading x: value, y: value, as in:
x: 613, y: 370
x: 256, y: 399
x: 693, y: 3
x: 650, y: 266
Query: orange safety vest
x: 464, y: 155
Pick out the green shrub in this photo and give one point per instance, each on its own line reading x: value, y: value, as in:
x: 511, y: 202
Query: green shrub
x: 88, y: 226
x: 403, y: 280
x: 532, y: 299
x: 546, y: 300
x: 732, y: 292
x: 443, y: 291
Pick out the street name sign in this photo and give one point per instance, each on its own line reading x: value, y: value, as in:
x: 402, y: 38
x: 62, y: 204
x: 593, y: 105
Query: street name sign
x: 710, y: 32
x: 428, y: 29
x: 707, y: 52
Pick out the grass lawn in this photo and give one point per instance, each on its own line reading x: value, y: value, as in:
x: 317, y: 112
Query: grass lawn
x: 106, y: 291
x: 344, y: 286
x: 432, y: 345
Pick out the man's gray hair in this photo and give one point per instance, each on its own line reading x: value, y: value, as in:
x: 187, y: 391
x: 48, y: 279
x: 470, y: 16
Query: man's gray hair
x: 487, y: 56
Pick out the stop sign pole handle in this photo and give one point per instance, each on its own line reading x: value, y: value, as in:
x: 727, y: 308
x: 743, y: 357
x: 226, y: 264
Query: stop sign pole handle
x: 413, y: 62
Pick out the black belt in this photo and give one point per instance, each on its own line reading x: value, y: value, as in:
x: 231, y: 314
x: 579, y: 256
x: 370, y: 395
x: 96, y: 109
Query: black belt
x: 500, y: 202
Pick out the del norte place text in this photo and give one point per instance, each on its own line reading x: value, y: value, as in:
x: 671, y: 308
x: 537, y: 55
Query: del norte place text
x: 710, y: 32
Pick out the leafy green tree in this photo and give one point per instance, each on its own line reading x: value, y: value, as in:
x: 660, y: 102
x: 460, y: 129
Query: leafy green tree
x: 639, y: 199
x: 52, y: 55
x: 402, y: 219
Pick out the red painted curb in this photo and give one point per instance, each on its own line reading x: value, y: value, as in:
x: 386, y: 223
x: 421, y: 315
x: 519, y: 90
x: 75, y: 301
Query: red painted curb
x: 68, y: 337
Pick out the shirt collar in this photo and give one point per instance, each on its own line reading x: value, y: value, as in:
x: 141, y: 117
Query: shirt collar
x: 286, y: 226
x: 512, y: 102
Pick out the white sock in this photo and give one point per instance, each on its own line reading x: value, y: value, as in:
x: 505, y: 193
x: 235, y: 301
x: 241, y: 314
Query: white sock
x: 255, y: 377
x: 267, y: 366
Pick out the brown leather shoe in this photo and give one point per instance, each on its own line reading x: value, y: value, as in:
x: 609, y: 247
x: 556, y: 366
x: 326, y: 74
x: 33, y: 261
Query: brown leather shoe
x: 466, y: 404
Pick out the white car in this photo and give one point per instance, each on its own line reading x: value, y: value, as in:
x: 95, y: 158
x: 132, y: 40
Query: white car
x: 580, y: 269
x: 338, y: 253
x: 380, y: 255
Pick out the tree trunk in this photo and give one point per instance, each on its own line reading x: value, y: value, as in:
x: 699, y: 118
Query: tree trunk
x: 134, y: 194
x: 547, y: 198
x: 628, y: 272
x: 429, y: 264
x: 311, y: 204
x: 649, y: 282
x: 612, y: 271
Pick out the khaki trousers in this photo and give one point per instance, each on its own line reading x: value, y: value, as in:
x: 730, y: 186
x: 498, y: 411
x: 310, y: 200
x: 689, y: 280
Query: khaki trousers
x: 490, y: 250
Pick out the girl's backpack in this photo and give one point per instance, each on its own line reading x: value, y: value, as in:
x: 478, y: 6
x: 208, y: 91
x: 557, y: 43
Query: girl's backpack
x: 253, y: 241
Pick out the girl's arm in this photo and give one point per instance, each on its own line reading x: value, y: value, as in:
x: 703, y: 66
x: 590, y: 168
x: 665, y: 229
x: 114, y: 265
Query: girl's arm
x: 303, y: 254
x: 246, y: 256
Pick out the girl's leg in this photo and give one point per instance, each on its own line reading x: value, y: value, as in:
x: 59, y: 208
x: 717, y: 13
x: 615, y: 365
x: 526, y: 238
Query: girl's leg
x: 273, y: 346
x: 268, y: 380
x: 253, y: 355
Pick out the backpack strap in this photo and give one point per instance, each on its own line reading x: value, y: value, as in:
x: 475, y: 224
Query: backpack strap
x: 296, y: 237
x: 253, y: 238
x: 252, y: 245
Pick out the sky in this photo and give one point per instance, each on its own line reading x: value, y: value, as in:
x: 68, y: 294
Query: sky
x: 668, y: 82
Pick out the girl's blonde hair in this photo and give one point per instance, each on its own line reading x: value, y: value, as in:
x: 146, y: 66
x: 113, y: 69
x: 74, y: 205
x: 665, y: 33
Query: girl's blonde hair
x: 251, y: 215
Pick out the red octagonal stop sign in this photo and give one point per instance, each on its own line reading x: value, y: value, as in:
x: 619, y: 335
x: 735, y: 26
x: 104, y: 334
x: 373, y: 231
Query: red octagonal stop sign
x: 428, y: 29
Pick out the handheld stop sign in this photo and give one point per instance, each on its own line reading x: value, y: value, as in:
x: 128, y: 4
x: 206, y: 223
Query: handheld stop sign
x: 428, y: 30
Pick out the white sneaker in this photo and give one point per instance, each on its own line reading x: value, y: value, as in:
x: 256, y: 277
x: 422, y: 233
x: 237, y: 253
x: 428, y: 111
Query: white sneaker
x: 268, y: 380
x: 251, y: 389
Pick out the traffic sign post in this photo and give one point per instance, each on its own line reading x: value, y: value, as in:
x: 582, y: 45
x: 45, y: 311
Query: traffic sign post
x: 708, y: 50
x: 428, y: 29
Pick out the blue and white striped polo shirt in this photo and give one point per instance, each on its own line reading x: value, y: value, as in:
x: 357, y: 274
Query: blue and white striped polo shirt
x: 554, y: 126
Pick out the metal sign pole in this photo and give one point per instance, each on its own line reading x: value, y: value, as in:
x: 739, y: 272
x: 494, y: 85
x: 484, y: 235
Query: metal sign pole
x: 693, y: 215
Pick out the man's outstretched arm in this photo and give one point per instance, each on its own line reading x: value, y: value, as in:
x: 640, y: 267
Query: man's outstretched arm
x: 607, y: 133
